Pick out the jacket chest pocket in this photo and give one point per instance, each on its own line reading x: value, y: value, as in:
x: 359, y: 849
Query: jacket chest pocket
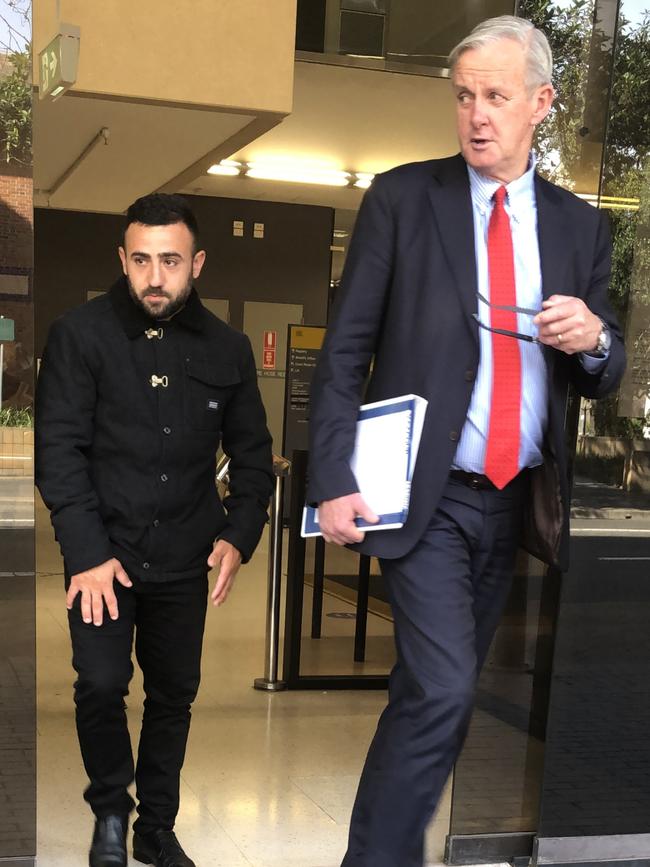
x: 209, y: 387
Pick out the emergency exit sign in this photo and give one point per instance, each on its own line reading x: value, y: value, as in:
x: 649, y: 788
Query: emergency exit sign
x: 57, y: 64
x: 6, y: 329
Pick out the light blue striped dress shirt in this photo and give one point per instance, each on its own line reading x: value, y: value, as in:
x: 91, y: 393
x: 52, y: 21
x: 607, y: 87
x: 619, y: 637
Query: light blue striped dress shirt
x: 521, y: 207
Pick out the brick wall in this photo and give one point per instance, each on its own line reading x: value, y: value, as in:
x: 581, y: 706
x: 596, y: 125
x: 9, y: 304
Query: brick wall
x: 16, y: 221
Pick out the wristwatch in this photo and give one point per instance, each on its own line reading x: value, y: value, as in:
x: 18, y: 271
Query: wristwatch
x: 604, y: 340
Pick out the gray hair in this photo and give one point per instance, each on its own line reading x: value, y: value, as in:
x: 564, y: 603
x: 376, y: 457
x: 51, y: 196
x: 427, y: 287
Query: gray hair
x: 539, y: 59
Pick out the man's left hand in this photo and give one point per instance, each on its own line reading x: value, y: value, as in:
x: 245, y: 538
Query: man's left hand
x: 567, y: 324
x: 228, y: 559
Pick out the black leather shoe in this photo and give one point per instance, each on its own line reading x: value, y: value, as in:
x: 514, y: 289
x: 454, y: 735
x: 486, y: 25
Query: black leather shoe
x: 160, y: 848
x: 108, y: 848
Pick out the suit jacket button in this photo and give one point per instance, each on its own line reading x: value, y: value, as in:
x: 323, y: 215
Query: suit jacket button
x: 469, y: 375
x: 453, y: 436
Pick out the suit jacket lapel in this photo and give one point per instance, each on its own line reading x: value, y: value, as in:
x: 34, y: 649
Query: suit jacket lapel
x: 450, y: 198
x: 553, y: 231
x: 554, y: 252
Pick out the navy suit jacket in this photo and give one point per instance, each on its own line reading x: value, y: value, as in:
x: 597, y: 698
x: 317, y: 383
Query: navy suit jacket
x: 403, y: 322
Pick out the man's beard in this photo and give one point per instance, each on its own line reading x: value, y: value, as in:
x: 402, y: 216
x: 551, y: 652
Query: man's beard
x: 163, y: 311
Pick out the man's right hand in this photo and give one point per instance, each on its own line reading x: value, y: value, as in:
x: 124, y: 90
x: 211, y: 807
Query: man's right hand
x: 96, y: 587
x: 336, y: 519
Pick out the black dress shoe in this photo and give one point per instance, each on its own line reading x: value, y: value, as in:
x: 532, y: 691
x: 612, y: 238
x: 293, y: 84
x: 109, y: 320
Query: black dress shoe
x: 160, y: 848
x: 108, y: 848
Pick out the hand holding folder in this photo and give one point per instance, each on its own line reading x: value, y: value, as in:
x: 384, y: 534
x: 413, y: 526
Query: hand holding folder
x: 385, y: 451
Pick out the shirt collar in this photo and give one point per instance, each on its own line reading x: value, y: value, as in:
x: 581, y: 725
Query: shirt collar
x: 521, y: 191
x: 135, y: 321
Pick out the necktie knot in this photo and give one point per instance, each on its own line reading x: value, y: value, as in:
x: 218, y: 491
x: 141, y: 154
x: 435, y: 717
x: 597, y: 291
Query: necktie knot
x: 500, y: 196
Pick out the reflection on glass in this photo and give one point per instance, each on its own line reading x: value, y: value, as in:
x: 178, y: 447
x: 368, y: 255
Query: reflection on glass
x: 613, y: 456
x: 497, y: 779
x: 506, y: 740
x: 17, y: 652
x: 414, y: 32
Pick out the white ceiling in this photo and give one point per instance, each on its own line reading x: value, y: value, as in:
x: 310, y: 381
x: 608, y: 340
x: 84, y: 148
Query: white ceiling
x: 349, y: 119
x: 148, y: 145
x: 345, y: 118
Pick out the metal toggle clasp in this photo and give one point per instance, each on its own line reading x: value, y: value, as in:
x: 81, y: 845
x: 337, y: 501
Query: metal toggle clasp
x: 154, y: 332
x: 159, y: 380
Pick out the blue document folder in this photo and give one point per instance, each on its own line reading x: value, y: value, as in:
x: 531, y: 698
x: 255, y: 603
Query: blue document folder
x: 385, y: 451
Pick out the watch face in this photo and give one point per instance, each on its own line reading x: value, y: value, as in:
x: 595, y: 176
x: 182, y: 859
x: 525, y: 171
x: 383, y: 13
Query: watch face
x: 604, y: 339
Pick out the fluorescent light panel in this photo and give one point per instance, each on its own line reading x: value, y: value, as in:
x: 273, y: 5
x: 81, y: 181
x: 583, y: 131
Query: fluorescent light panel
x: 363, y: 180
x: 293, y: 172
x: 225, y: 167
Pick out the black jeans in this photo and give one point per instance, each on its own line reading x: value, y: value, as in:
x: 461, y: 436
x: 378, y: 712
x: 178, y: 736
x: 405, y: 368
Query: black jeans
x: 168, y: 621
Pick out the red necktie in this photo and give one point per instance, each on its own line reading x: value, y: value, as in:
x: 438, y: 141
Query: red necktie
x: 504, y: 434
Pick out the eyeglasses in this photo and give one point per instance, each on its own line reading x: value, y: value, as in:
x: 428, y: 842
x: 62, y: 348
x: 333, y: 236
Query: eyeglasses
x: 527, y: 311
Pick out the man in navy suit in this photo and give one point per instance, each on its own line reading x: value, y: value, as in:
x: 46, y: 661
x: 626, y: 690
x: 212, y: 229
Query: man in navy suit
x: 478, y: 285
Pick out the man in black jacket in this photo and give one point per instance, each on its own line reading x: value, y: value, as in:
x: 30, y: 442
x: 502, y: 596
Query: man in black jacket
x: 137, y: 389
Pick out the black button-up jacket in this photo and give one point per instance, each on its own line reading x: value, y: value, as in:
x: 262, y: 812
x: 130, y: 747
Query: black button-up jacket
x: 130, y: 413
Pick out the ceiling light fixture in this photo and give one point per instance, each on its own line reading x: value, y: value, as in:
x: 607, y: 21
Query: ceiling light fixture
x: 299, y: 174
x: 293, y: 171
x: 225, y: 167
x: 363, y: 180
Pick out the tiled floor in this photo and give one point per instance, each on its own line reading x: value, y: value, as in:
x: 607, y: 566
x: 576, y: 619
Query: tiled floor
x: 269, y: 779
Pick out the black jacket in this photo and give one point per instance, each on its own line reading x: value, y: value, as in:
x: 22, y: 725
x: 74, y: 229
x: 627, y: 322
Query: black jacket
x: 128, y: 468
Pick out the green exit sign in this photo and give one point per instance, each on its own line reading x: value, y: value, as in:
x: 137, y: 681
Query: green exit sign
x: 6, y: 329
x: 58, y: 62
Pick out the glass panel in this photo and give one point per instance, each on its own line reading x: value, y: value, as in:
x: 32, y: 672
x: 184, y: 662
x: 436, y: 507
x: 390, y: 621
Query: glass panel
x: 600, y: 703
x: 423, y: 33
x: 414, y: 32
x: 17, y: 640
x: 506, y: 739
x: 379, y: 6
x: 362, y: 34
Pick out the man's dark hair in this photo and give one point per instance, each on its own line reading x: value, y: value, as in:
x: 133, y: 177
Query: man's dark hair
x: 163, y: 209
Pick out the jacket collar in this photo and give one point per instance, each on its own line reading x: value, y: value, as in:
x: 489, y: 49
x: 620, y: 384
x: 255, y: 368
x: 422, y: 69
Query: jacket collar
x: 135, y: 321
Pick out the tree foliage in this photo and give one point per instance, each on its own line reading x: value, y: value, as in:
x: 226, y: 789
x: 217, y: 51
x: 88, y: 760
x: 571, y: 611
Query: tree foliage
x: 570, y: 147
x: 16, y: 109
x: 15, y: 82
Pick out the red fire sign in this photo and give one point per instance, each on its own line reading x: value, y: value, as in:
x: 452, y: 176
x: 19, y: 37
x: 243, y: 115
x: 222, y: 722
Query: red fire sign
x: 270, y: 346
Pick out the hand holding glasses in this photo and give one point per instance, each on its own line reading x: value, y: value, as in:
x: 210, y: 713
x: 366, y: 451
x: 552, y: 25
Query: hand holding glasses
x: 565, y: 323
x: 526, y: 311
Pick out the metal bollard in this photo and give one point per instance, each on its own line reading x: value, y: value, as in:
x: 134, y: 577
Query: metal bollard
x: 270, y: 682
